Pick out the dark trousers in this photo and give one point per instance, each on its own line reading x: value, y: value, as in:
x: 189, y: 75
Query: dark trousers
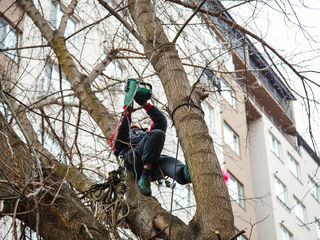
x: 149, y: 151
x: 150, y: 147
x: 170, y: 167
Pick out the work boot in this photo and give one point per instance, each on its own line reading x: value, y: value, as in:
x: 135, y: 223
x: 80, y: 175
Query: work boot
x: 186, y: 173
x: 145, y: 182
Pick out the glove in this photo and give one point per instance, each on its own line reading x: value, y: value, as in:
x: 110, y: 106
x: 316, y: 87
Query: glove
x: 140, y: 99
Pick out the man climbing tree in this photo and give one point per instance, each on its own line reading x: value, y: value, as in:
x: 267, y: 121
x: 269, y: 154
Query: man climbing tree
x: 141, y: 150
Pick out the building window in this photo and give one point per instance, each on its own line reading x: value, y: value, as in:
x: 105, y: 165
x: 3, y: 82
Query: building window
x: 294, y: 167
x: 115, y: 71
x: 285, y: 234
x: 300, y: 210
x: 228, y: 93
x: 231, y: 138
x: 8, y: 39
x: 275, y: 146
x: 235, y: 189
x: 56, y: 13
x: 31, y: 235
x: 4, y: 110
x: 184, y: 198
x: 208, y: 116
x: 51, y: 145
x: 51, y: 83
x: 281, y: 191
x: 314, y: 189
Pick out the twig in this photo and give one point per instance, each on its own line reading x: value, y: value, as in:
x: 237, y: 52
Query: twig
x: 238, y: 234
x: 188, y: 20
x: 126, y: 24
x: 87, y: 230
x: 245, y: 31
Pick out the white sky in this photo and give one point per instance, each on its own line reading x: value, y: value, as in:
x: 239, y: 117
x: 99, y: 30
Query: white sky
x: 301, y: 48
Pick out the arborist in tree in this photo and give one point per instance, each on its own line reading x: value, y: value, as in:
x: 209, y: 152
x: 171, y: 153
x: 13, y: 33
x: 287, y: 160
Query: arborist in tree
x: 141, y: 150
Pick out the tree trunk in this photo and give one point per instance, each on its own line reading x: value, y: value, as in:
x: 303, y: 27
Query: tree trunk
x: 214, y: 210
x: 150, y: 216
x: 61, y: 212
x: 210, y: 190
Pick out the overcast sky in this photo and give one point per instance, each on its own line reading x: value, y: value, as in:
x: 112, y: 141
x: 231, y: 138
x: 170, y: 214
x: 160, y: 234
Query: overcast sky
x: 300, y: 45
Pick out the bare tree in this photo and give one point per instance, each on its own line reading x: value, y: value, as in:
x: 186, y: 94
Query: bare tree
x: 55, y: 194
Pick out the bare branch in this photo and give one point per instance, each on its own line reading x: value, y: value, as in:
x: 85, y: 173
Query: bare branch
x: 188, y: 20
x: 64, y: 19
x: 125, y: 23
x: 102, y: 65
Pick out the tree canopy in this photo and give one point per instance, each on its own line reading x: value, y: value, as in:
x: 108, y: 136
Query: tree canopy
x: 62, y: 99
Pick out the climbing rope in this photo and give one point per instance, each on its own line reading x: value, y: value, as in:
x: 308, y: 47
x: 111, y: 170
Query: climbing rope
x: 181, y: 105
x: 172, y: 191
x: 136, y: 182
x: 111, y: 195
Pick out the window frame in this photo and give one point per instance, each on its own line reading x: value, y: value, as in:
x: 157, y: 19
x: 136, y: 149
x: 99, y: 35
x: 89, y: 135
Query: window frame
x: 51, y: 144
x: 314, y: 189
x: 277, y: 151
x: 228, y: 93
x: 239, y: 193
x: 234, y: 145
x: 299, y: 208
x: 208, y: 116
x: 294, y: 166
x: 12, y: 54
x: 284, y: 200
x: 52, y: 84
x: 186, y: 201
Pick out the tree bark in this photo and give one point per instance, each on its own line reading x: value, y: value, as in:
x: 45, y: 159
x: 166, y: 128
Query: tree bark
x: 150, y: 209
x: 150, y: 216
x: 214, y: 210
x: 209, y: 188
x: 61, y: 212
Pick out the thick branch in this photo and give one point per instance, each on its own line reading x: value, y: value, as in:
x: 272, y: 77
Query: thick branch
x: 82, y: 88
x: 64, y: 217
x: 99, y: 68
x: 64, y: 19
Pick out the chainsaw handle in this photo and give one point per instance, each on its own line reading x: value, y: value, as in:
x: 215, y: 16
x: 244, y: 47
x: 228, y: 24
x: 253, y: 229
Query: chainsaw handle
x: 146, y: 84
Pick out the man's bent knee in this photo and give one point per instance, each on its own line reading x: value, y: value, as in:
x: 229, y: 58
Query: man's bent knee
x: 157, y: 133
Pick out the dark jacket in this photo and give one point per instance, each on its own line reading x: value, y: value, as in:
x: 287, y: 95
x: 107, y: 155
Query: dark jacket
x: 169, y: 166
x: 126, y: 137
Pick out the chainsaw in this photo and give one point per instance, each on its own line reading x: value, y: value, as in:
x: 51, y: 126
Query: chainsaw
x: 133, y: 89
